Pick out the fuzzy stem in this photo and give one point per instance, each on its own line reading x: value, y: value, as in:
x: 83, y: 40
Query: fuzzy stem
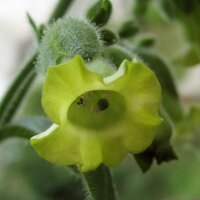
x: 99, y: 184
x: 14, y: 130
x: 21, y: 84
x: 17, y: 91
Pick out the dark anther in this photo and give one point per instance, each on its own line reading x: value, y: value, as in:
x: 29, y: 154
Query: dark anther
x: 102, y: 104
x: 80, y: 101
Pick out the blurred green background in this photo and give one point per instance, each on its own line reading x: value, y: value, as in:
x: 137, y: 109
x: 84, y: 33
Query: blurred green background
x: 25, y: 176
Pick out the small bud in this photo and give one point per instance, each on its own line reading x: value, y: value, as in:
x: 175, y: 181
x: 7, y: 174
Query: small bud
x: 128, y: 29
x: 66, y: 38
x: 100, y: 12
x: 108, y: 37
x: 145, y: 41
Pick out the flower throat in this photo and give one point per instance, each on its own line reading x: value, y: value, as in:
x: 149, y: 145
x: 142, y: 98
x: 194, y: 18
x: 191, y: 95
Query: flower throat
x: 97, y: 109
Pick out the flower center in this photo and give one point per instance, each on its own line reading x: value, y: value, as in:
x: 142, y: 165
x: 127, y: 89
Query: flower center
x: 101, y: 105
x: 97, y: 109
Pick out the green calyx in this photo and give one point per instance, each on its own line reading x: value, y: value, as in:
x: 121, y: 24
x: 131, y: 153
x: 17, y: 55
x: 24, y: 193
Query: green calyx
x: 97, y: 109
x: 101, y: 66
x: 66, y: 38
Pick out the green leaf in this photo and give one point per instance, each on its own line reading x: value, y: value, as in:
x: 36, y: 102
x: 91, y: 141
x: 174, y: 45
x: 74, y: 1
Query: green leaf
x: 128, y: 29
x: 160, y: 68
x: 24, y: 128
x: 36, y: 123
x: 8, y: 131
x: 34, y: 27
x: 108, y: 37
x: 173, y: 106
x: 100, y: 12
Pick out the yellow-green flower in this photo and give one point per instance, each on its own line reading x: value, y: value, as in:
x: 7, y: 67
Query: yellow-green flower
x: 98, y: 119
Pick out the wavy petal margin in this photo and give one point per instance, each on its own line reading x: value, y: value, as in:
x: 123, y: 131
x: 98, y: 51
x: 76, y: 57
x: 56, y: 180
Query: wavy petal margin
x: 68, y: 144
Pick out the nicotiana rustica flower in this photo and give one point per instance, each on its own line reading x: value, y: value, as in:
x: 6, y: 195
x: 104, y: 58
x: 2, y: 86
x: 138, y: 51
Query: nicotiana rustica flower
x: 98, y: 119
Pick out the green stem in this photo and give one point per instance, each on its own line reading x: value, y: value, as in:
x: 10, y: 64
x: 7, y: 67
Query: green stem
x: 21, y: 84
x: 13, y: 130
x: 17, y: 91
x: 99, y: 184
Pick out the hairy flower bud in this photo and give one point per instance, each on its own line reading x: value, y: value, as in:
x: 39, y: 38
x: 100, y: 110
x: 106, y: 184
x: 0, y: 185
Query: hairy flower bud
x: 66, y: 38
